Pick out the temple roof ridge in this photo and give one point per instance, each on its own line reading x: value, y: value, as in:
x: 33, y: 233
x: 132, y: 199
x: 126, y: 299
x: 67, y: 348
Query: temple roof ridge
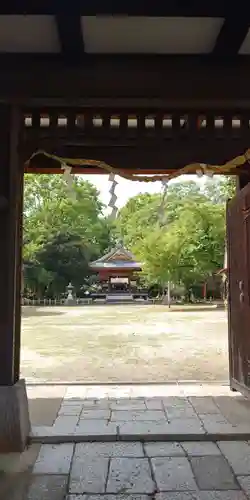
x: 119, y: 249
x: 117, y: 257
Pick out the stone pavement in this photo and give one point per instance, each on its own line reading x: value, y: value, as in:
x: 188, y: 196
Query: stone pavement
x: 138, y: 412
x: 144, y: 442
x: 128, y: 471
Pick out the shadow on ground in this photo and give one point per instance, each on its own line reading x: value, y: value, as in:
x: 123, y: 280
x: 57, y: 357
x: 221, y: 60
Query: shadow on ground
x: 29, y: 311
x: 44, y: 403
x: 44, y: 411
x: 195, y: 308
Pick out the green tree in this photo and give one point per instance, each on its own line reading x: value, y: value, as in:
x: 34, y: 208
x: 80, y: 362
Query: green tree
x: 220, y: 189
x: 66, y: 257
x: 60, y: 229
x: 142, y: 212
x: 185, y: 249
x: 189, y: 249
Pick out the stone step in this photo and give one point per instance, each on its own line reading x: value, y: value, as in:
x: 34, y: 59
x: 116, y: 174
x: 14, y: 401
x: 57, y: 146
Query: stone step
x: 49, y: 435
x: 123, y: 297
x: 115, y: 302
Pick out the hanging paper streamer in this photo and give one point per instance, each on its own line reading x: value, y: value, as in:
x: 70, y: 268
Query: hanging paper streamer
x: 192, y: 168
x: 113, y: 198
x: 204, y: 170
x: 69, y: 180
x: 162, y: 212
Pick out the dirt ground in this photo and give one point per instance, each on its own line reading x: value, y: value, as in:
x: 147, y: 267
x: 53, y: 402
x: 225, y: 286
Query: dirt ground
x: 123, y: 343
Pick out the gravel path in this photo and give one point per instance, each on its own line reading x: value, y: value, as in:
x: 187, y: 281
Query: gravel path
x: 123, y: 344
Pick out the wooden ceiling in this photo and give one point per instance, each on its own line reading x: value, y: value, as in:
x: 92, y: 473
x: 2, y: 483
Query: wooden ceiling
x: 183, y: 51
x: 76, y: 28
x: 118, y: 58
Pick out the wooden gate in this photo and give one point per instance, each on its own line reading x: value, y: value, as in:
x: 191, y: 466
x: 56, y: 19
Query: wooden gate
x: 238, y: 244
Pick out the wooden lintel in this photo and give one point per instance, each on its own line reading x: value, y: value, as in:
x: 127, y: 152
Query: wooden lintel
x: 188, y: 79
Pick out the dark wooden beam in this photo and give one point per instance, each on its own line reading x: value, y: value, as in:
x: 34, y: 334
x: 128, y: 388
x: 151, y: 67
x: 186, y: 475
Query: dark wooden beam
x: 70, y: 35
x: 188, y: 79
x: 196, y: 8
x: 232, y: 35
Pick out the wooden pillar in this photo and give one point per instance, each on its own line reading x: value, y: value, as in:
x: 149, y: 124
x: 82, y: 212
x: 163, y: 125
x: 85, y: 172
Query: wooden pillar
x: 14, y: 417
x: 11, y: 179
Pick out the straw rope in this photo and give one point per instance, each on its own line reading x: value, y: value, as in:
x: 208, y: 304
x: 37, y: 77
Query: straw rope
x: 226, y: 168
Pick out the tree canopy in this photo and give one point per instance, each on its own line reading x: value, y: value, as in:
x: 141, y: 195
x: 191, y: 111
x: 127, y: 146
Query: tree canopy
x: 180, y: 240
x: 61, y: 233
x: 189, y: 245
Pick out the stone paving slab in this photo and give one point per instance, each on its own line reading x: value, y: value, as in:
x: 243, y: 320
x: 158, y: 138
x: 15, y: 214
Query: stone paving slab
x: 179, y: 408
x: 213, y: 419
x: 66, y: 423
x: 199, y: 449
x: 88, y: 474
x: 204, y: 405
x: 131, y: 404
x: 110, y: 450
x: 130, y: 476
x: 54, y: 459
x: 91, y: 403
x: 235, y: 413
x: 96, y: 427
x: 108, y: 497
x: 70, y: 409
x: 47, y: 488
x: 221, y: 495
x: 138, y: 415
x: 184, y: 495
x: 202, y: 495
x: 154, y: 404
x: 166, y: 449
x: 213, y: 473
x: 244, y: 482
x: 128, y: 471
x: 173, y: 474
x: 180, y: 412
x: 238, y: 456
x: 89, y: 414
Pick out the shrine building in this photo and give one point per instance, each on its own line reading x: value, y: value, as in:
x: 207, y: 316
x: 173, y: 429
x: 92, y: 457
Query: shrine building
x: 118, y: 273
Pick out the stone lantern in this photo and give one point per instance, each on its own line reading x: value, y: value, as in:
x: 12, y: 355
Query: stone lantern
x: 70, y: 300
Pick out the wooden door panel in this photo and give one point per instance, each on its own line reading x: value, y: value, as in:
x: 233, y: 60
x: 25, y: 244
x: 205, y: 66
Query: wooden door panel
x: 238, y: 241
